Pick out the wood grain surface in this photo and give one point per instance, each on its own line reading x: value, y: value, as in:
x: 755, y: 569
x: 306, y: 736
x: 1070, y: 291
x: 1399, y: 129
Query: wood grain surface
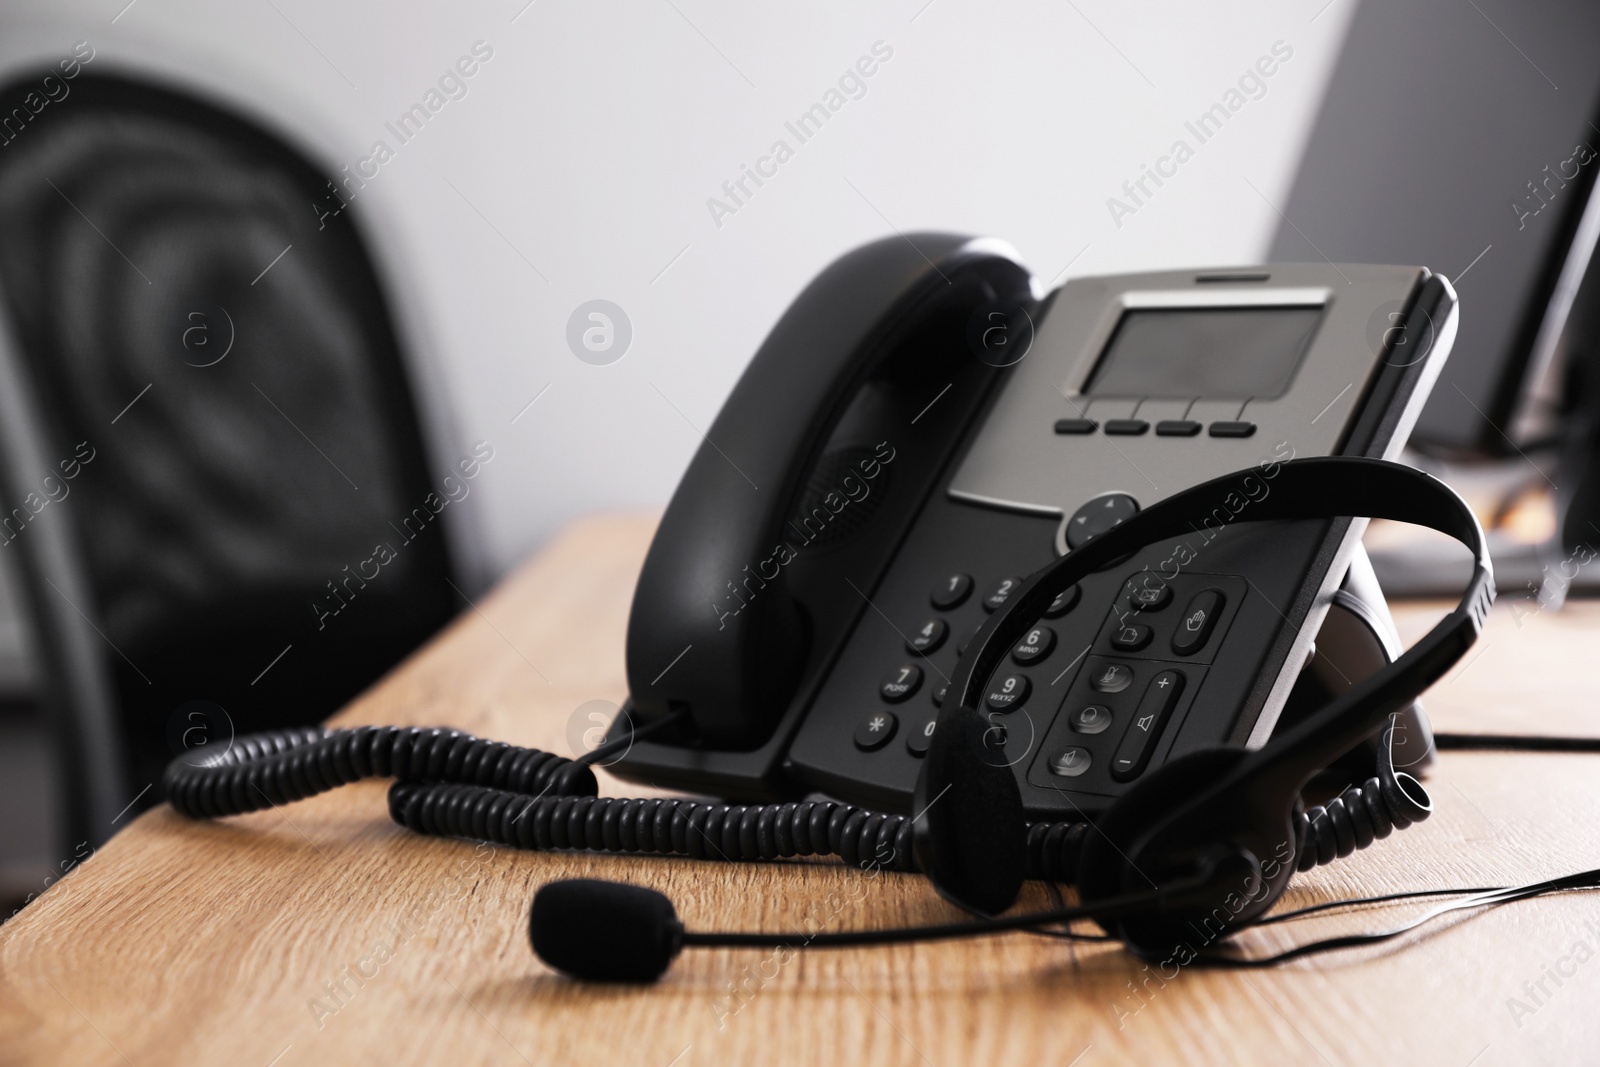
x: 322, y: 933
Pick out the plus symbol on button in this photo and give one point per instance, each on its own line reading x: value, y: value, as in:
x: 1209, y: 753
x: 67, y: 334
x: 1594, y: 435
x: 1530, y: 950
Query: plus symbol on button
x: 1163, y: 682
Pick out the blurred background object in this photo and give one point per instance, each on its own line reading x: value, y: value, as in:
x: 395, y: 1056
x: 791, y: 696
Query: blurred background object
x: 185, y: 351
x: 1465, y: 139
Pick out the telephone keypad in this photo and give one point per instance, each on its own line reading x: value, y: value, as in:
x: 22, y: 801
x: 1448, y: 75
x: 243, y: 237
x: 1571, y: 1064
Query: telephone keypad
x: 926, y: 639
x: 1096, y: 715
x: 952, y: 592
x: 902, y: 684
x: 1035, y: 645
x: 875, y: 730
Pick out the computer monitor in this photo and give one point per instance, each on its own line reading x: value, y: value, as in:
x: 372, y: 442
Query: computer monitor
x: 1463, y: 136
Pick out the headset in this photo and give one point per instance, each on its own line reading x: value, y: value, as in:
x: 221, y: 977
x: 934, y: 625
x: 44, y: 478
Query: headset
x: 1206, y: 842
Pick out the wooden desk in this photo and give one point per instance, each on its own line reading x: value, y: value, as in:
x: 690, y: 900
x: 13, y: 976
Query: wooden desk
x: 186, y: 942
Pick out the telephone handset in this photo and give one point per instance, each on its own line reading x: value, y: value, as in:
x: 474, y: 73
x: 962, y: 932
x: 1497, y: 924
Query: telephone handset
x: 921, y: 431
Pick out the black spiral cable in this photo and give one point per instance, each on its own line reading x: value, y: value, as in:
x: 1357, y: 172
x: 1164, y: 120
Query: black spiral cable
x: 452, y: 784
x: 1364, y: 813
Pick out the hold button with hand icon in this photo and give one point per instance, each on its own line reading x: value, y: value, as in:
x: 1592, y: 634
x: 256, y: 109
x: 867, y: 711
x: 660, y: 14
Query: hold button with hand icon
x: 1197, y: 622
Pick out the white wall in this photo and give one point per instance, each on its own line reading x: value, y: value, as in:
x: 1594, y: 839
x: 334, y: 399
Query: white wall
x: 594, y: 136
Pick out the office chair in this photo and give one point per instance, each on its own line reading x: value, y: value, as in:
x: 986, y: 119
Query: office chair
x: 211, y: 464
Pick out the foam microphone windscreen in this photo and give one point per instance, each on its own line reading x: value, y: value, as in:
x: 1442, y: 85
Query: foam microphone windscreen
x: 604, y: 931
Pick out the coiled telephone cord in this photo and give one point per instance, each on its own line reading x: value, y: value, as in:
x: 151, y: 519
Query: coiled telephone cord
x: 452, y: 784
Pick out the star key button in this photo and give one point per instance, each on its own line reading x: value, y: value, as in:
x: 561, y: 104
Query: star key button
x: 875, y: 730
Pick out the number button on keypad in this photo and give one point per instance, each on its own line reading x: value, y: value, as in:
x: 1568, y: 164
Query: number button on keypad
x: 1035, y: 645
x: 951, y: 592
x: 901, y: 684
x: 920, y: 737
x: 1008, y: 692
x: 926, y: 639
x: 1003, y: 591
x: 1063, y: 603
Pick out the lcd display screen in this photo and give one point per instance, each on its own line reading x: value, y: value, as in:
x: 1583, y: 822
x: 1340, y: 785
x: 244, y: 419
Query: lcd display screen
x: 1227, y: 353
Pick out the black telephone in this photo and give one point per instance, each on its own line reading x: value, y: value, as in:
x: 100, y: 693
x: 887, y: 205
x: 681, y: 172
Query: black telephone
x: 921, y: 430
x: 1144, y: 716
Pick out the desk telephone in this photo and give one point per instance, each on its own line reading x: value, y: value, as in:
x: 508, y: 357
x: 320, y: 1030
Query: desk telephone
x: 991, y: 585
x: 921, y: 431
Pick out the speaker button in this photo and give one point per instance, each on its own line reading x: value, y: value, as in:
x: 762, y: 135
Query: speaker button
x: 1070, y: 763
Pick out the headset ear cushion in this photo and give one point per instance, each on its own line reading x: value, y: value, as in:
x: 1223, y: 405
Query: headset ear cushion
x: 970, y: 836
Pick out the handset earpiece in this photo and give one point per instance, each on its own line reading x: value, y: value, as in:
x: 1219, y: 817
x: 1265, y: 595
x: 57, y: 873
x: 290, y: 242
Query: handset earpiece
x: 1230, y: 810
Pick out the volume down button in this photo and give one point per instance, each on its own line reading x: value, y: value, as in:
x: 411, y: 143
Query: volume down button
x: 1133, y: 752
